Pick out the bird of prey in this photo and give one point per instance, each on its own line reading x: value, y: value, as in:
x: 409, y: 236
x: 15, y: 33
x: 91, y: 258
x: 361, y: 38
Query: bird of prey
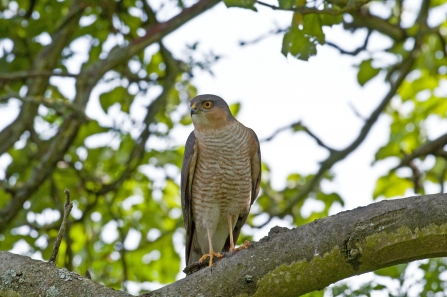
x: 220, y: 179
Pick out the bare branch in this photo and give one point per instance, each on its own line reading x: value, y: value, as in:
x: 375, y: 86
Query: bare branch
x: 67, y: 209
x: 354, y: 52
x: 262, y: 37
x: 279, y: 130
x: 417, y: 178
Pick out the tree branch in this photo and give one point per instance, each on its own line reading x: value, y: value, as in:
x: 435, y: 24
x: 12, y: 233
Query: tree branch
x: 354, y: 52
x: 7, y: 77
x: 313, y: 256
x: 363, y: 19
x: 336, y: 156
x: 429, y: 148
x: 67, y: 209
x: 306, y: 258
x: 313, y: 10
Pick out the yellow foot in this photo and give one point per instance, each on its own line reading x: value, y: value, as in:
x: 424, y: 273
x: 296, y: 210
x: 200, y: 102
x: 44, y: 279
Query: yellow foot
x: 211, y: 255
x: 243, y: 247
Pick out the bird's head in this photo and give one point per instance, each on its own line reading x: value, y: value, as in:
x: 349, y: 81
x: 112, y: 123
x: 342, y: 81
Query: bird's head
x: 210, y: 112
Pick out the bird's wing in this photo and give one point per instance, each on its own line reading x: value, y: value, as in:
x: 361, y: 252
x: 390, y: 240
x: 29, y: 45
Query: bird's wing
x: 188, y: 168
x: 255, y: 161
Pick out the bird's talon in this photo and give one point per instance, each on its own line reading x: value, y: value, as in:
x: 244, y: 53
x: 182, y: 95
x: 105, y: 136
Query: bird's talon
x: 211, y: 255
x: 243, y: 247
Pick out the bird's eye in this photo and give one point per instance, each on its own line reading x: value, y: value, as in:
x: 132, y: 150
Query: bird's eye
x: 207, y: 104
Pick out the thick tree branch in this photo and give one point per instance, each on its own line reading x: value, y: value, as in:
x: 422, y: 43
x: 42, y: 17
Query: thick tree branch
x: 305, y: 259
x: 313, y: 256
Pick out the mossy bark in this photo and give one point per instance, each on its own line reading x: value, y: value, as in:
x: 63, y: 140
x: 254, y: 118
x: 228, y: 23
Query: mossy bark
x: 285, y: 263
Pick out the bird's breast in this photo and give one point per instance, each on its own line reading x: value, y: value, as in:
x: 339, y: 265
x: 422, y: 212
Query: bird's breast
x: 222, y: 177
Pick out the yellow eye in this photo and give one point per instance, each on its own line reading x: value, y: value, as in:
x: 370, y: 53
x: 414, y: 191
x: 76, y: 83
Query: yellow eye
x: 207, y: 104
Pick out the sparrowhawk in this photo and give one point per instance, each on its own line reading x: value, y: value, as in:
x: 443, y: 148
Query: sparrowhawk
x: 220, y: 178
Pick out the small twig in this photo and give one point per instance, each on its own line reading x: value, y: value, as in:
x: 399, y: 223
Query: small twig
x: 417, y: 177
x: 354, y: 52
x: 67, y: 209
x: 317, y: 139
x: 262, y: 37
x: 356, y: 112
x: 279, y: 130
x: 298, y: 126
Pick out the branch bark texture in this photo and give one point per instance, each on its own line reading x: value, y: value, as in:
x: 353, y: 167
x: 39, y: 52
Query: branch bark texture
x: 285, y: 263
x: 313, y: 256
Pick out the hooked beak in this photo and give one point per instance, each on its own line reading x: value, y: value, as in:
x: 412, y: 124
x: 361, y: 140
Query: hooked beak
x: 193, y: 109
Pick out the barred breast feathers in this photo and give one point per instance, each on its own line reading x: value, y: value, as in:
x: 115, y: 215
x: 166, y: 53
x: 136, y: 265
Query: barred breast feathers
x: 223, y: 171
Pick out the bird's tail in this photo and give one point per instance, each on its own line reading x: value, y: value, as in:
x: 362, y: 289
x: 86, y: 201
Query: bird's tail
x: 195, y: 253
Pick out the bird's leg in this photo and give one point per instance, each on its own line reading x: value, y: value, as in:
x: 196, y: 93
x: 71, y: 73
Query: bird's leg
x: 212, y: 253
x: 230, y: 230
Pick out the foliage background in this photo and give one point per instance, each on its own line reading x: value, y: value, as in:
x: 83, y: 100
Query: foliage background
x: 111, y: 130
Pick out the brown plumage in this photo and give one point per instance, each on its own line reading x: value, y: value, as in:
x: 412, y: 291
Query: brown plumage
x: 220, y: 178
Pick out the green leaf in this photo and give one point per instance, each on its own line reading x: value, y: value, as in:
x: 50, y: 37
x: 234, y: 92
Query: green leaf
x: 301, y: 40
x: 391, y: 185
x: 90, y: 128
x: 118, y: 95
x: 391, y: 149
x: 250, y: 4
x: 329, y: 20
x: 366, y: 72
x: 312, y: 27
x: 234, y: 108
x: 298, y: 45
x: 286, y: 4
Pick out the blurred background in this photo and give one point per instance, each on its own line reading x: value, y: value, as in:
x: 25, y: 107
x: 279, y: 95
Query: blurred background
x: 348, y: 99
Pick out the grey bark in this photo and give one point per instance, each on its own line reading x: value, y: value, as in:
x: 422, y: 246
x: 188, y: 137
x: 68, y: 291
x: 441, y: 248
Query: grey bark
x: 285, y: 263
